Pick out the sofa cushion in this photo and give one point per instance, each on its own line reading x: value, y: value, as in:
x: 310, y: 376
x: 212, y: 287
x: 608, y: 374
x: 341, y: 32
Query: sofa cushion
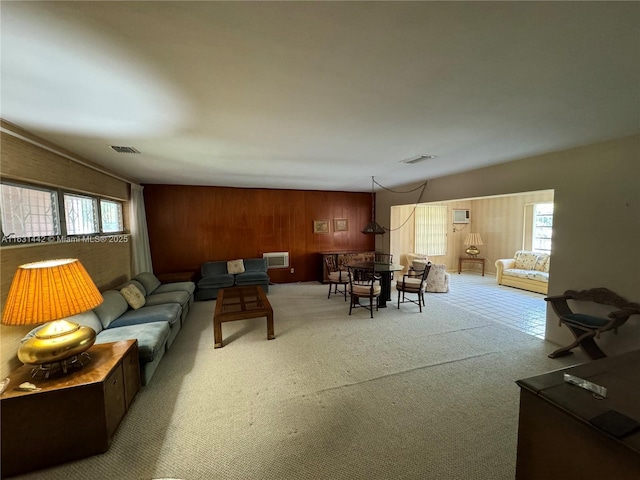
x: 188, y: 287
x: 525, y: 260
x: 251, y: 278
x: 149, y: 281
x: 151, y: 337
x: 133, y: 296
x: 114, y: 306
x: 168, y: 312
x: 255, y: 265
x: 216, y: 281
x: 528, y: 274
x: 181, y: 298
x: 235, y: 266
x: 88, y: 319
x: 541, y: 263
x: 213, y: 268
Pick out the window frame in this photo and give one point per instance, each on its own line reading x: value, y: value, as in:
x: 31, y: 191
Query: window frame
x: 59, y: 215
x: 535, y: 228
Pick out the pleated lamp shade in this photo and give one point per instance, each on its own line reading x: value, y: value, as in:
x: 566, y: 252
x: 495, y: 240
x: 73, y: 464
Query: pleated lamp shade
x: 473, y: 239
x: 49, y: 290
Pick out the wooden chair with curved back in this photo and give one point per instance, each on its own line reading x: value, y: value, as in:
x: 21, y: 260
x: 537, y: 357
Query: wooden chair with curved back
x: 414, y: 282
x: 586, y: 327
x: 363, y: 284
x: 338, y: 278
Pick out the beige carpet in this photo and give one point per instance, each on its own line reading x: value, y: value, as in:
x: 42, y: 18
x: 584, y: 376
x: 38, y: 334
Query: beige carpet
x: 401, y: 396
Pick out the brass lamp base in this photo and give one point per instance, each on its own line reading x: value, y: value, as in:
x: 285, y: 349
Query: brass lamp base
x: 56, y: 342
x: 62, y: 367
x: 472, y: 251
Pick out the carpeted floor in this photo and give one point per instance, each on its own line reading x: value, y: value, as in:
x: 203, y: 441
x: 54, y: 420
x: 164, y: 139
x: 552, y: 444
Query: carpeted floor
x: 401, y: 396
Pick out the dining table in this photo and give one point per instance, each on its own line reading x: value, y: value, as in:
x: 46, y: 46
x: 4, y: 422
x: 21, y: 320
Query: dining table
x: 385, y: 270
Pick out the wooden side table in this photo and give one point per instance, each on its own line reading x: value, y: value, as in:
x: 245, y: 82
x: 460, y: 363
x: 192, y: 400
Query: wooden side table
x: 470, y: 260
x: 74, y: 415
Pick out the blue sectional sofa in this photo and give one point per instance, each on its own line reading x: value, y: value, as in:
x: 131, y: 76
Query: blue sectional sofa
x: 215, y: 275
x: 155, y: 324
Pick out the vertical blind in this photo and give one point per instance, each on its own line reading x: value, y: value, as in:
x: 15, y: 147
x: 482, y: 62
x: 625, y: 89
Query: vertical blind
x: 431, y: 230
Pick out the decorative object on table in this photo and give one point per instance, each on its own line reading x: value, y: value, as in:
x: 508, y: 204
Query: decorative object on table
x: 50, y: 291
x: 4, y: 384
x: 473, y: 240
x: 340, y: 225
x: 321, y: 226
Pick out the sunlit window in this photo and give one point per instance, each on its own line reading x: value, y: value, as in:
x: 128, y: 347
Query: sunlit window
x: 81, y: 214
x: 542, y: 227
x: 111, y: 216
x: 431, y: 230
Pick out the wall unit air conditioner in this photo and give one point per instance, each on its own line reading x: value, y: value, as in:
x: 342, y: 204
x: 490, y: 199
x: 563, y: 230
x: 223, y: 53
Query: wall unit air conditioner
x: 277, y: 259
x: 461, y: 216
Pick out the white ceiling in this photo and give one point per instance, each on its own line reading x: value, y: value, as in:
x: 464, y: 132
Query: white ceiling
x: 318, y: 95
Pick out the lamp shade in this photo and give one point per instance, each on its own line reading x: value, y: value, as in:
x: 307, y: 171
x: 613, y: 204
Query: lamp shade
x: 373, y: 228
x: 473, y: 239
x: 49, y: 290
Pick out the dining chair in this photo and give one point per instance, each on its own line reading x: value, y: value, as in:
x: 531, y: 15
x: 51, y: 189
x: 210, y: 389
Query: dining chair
x: 363, y: 284
x: 414, y: 282
x: 338, y: 278
x: 383, y: 258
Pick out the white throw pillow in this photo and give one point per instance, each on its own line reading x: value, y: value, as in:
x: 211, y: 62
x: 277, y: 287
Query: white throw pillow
x: 133, y: 296
x: 235, y: 266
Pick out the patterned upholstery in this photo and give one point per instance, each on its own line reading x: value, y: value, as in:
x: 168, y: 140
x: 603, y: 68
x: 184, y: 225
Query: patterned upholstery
x: 438, y: 279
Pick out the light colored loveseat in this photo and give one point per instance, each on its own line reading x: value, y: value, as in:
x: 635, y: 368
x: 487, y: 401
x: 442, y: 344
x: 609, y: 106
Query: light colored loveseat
x: 526, y: 270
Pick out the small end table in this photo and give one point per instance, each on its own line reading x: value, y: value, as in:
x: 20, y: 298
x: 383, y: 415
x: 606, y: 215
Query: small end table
x: 470, y: 260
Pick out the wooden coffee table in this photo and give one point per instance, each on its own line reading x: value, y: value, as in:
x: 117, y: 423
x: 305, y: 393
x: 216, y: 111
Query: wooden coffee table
x: 239, y: 303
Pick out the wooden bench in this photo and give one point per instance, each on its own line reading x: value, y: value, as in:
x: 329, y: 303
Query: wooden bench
x: 585, y: 328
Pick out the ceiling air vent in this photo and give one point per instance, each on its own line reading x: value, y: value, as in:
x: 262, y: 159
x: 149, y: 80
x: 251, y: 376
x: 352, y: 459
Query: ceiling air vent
x: 124, y: 149
x: 419, y: 158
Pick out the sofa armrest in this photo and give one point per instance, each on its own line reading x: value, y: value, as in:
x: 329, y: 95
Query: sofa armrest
x: 501, y: 265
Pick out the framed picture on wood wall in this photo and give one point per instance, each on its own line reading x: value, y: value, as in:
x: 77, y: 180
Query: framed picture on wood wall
x: 340, y: 225
x: 321, y: 226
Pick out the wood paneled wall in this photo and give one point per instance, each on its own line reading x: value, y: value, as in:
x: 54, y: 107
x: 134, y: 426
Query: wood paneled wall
x: 189, y: 225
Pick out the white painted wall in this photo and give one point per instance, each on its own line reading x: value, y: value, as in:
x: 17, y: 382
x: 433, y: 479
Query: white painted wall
x: 596, y: 219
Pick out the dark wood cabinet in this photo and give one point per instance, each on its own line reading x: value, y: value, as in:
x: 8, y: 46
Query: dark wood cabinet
x: 556, y: 438
x: 74, y: 415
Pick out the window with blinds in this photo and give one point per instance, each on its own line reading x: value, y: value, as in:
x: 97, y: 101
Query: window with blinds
x: 431, y: 229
